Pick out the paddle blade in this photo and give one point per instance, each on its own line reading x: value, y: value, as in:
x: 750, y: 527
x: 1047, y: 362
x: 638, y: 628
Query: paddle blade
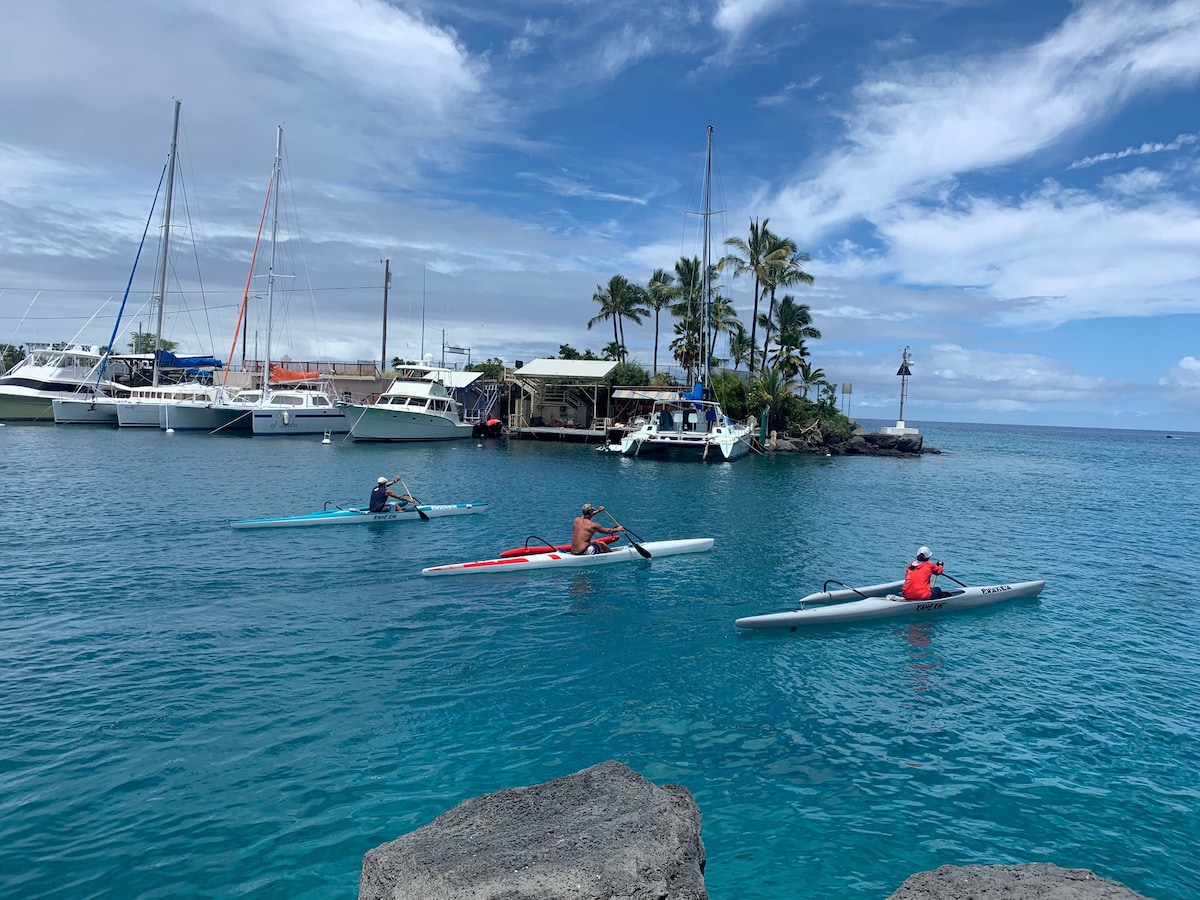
x: 640, y: 549
x: 424, y: 515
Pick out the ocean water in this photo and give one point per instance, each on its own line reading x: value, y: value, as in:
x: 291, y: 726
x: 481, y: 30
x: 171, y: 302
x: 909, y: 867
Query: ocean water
x: 188, y: 710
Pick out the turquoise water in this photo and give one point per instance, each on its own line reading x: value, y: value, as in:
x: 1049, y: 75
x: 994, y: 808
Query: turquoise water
x: 189, y: 710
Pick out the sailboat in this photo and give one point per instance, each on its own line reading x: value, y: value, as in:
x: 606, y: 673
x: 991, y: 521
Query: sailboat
x: 289, y: 401
x: 154, y: 405
x: 692, y: 425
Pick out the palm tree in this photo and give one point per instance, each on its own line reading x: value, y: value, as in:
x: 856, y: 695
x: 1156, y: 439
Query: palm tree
x: 793, y: 324
x: 660, y: 293
x: 618, y: 301
x: 739, y: 346
x: 809, y: 377
x: 750, y: 258
x: 612, y: 350
x: 722, y: 319
x: 686, y: 346
x: 785, y: 267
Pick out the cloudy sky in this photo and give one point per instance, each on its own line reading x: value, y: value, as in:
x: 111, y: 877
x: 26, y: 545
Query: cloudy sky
x: 1008, y: 187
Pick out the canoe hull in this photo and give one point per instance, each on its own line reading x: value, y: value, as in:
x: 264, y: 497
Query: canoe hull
x: 558, y: 560
x: 890, y: 606
x: 360, y: 516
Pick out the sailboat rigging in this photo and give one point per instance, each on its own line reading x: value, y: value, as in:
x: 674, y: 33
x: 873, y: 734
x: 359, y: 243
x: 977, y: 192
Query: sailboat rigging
x: 692, y: 425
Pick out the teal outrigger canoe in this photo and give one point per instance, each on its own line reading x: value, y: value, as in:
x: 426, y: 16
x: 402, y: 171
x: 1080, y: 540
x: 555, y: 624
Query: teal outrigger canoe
x: 360, y: 515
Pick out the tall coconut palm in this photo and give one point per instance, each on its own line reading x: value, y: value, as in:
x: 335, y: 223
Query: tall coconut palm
x: 660, y: 294
x: 749, y: 257
x: 619, y: 300
x: 785, y: 268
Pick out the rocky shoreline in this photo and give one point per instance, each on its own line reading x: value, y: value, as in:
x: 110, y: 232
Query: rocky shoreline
x: 607, y: 833
x: 860, y: 443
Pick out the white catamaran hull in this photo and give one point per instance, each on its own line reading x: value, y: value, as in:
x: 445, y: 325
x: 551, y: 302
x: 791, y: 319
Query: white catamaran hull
x: 360, y: 516
x: 884, y: 602
x: 567, y: 560
x: 85, y: 411
x: 203, y: 417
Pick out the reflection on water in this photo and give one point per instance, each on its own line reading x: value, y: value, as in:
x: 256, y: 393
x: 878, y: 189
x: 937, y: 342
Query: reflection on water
x: 922, y: 657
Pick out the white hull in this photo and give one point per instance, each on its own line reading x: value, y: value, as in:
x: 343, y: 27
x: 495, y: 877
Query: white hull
x: 370, y: 423
x: 688, y: 429
x: 839, y: 608
x: 138, y: 414
x: 625, y: 553
x: 687, y: 445
x: 360, y: 516
x: 203, y: 417
x: 97, y: 411
x: 267, y: 421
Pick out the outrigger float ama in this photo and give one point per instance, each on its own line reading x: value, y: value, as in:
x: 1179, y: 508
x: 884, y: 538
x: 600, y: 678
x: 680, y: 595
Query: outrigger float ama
x: 883, y: 601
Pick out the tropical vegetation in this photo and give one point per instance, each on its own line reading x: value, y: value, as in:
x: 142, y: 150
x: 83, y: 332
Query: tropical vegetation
x: 772, y: 347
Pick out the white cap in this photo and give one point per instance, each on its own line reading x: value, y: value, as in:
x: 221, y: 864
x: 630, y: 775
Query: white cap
x: 382, y: 480
x: 924, y: 553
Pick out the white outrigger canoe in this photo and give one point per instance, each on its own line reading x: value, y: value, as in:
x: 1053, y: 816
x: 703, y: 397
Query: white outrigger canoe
x: 360, y: 515
x: 560, y: 559
x: 883, y: 601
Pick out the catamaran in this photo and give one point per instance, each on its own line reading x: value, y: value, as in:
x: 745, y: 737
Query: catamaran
x: 693, y: 425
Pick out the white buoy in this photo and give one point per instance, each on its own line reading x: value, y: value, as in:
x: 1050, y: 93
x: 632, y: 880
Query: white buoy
x: 325, y: 440
x: 479, y: 446
x: 170, y: 431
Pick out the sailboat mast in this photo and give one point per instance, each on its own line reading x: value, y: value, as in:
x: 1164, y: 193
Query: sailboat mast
x: 166, y: 234
x: 271, y: 265
x: 706, y: 300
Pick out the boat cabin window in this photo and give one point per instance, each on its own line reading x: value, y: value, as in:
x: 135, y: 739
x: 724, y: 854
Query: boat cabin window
x: 288, y: 401
x: 321, y: 401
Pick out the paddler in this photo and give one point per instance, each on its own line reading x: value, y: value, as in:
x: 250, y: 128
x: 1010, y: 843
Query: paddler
x: 584, y: 529
x: 919, y: 575
x: 380, y: 497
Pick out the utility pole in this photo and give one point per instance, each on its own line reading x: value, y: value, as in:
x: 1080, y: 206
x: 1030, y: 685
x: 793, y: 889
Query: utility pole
x: 387, y: 280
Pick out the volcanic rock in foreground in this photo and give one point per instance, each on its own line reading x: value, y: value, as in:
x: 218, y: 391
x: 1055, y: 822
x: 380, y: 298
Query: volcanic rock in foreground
x: 602, y: 833
x: 1035, y: 881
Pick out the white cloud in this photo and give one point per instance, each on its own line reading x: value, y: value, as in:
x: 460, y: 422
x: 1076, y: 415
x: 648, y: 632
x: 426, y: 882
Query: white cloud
x: 914, y: 128
x: 735, y: 17
x: 1148, y: 147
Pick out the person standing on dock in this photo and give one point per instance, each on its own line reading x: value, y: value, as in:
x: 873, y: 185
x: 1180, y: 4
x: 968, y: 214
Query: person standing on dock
x: 584, y: 529
x: 919, y: 575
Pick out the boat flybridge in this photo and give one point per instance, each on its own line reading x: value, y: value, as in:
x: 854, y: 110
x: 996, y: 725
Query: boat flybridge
x: 418, y: 406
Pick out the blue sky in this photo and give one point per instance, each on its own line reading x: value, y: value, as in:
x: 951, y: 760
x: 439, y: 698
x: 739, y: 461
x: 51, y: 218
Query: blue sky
x: 1009, y: 188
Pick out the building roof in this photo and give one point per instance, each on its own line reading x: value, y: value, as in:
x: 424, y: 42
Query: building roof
x: 567, y: 369
x: 645, y: 394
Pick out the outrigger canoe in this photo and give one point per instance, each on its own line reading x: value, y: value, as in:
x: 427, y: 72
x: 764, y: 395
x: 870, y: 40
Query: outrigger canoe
x: 360, y: 515
x: 562, y: 559
x: 883, y: 601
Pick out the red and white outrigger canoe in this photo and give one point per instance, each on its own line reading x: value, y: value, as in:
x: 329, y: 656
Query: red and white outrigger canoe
x: 564, y: 559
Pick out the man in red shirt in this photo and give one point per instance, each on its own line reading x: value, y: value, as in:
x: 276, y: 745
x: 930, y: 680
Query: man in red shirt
x: 919, y: 574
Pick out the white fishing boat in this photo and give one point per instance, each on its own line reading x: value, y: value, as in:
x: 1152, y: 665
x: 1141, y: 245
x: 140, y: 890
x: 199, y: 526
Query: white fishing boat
x: 418, y: 406
x: 360, y: 515
x: 558, y: 559
x: 693, y: 426
x: 883, y: 601
x: 49, y: 372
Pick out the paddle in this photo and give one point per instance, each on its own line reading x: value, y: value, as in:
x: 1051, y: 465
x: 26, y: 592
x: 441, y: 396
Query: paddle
x: 636, y: 546
x: 420, y: 512
x: 955, y: 580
